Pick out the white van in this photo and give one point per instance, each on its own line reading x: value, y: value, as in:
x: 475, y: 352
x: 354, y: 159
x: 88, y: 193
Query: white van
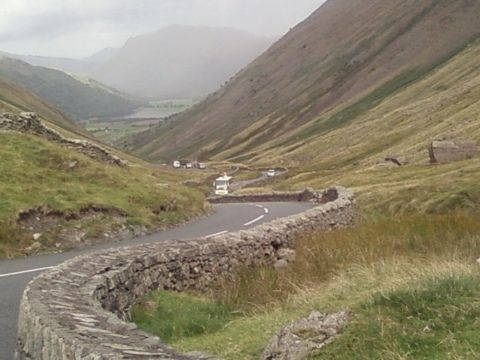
x: 222, y: 185
x: 176, y: 164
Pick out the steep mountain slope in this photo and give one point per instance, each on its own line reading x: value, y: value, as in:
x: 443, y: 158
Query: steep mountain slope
x: 339, y: 63
x: 444, y: 104
x: 180, y: 61
x: 78, y: 99
x: 16, y: 99
x: 69, y: 199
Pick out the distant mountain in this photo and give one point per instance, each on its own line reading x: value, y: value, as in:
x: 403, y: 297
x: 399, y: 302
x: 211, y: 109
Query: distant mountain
x: 84, y: 67
x: 75, y: 66
x: 79, y: 98
x: 180, y: 61
x: 331, y: 69
x: 102, y: 56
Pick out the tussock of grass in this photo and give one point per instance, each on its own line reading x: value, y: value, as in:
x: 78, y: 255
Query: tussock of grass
x: 176, y: 316
x: 321, y: 255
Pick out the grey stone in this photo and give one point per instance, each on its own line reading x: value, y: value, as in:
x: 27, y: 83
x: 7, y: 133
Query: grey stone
x: 34, y: 247
x: 286, y: 254
x: 305, y: 337
x: 446, y: 151
x: 281, y: 264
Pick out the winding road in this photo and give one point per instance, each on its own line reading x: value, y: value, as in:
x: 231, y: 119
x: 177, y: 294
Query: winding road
x: 15, y: 274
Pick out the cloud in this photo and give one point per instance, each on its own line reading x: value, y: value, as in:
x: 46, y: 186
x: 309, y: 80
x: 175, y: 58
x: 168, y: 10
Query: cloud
x: 79, y: 27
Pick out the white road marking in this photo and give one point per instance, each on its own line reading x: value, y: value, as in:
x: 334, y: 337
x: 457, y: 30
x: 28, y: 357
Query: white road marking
x: 25, y: 272
x: 208, y: 237
x: 216, y: 234
x: 264, y: 208
x: 254, y: 220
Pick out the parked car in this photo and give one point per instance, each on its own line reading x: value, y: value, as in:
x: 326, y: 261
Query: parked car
x: 176, y: 164
x: 271, y: 173
x: 187, y: 164
x: 202, y: 166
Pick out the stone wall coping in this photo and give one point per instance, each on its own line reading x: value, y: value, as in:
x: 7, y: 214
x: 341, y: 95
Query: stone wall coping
x: 79, y: 310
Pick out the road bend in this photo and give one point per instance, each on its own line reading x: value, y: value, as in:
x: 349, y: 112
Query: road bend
x: 15, y: 274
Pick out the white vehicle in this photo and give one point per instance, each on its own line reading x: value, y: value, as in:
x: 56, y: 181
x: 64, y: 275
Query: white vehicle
x: 202, y: 166
x: 189, y: 165
x: 271, y: 173
x: 222, y: 185
x: 176, y: 164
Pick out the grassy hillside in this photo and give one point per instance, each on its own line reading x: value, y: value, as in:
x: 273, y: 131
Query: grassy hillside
x: 80, y: 99
x: 446, y: 103
x: 16, y: 99
x: 83, y: 200
x: 355, y: 53
x: 34, y: 172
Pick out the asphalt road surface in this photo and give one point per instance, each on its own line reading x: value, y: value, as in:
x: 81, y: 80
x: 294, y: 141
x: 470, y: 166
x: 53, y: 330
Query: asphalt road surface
x: 15, y: 274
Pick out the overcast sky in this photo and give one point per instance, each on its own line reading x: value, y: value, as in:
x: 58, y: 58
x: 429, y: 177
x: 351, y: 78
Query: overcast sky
x: 77, y: 28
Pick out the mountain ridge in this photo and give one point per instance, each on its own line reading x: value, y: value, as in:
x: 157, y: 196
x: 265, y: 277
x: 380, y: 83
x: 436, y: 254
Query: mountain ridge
x: 160, y: 64
x: 79, y: 99
x: 319, y: 66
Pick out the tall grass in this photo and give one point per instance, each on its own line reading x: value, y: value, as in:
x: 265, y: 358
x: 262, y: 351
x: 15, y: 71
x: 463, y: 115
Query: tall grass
x: 319, y: 256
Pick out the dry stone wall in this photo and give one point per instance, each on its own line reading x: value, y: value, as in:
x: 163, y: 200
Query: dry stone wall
x: 296, y: 196
x: 30, y: 123
x: 80, y: 310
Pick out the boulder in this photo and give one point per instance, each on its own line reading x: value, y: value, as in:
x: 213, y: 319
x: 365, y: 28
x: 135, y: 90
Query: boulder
x: 305, y: 337
x: 446, y: 151
x: 35, y: 247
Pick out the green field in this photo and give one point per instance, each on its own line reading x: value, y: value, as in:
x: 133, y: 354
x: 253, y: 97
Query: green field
x: 112, y: 130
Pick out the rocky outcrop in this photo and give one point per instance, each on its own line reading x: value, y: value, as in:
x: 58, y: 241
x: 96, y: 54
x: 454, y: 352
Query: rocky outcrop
x: 305, y: 337
x: 30, y: 123
x: 446, y: 151
x: 79, y: 309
